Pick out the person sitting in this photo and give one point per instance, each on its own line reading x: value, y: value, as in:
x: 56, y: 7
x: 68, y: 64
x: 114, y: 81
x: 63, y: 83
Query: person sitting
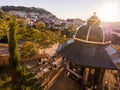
x: 39, y: 61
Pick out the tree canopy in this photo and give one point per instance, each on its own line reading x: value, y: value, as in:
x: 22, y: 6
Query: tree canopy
x: 28, y: 50
x: 40, y: 25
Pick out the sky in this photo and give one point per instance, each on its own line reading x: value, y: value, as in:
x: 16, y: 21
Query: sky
x: 106, y: 10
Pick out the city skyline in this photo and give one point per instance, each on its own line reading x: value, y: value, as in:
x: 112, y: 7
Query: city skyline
x: 106, y: 10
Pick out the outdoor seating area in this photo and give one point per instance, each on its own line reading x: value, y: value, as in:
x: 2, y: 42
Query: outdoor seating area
x: 44, y: 69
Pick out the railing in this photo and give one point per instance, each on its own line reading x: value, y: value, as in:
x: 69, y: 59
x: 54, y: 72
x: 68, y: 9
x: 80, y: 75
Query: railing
x: 47, y: 77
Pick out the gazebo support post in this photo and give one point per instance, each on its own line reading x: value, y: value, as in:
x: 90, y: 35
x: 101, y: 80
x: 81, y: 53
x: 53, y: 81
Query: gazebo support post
x: 98, y: 78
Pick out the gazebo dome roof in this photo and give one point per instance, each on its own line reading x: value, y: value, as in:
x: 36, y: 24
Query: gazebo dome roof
x: 91, y: 47
x: 93, y: 33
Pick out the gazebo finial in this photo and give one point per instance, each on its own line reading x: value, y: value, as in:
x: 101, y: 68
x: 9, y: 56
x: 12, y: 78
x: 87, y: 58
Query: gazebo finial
x: 94, y: 13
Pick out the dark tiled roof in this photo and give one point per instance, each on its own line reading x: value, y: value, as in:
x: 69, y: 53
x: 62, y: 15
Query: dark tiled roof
x: 89, y: 55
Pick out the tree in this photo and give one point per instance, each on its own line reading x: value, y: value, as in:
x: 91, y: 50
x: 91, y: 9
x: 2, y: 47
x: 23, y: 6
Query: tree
x: 14, y: 59
x: 28, y: 50
x: 22, y: 28
x: 47, y: 38
x: 32, y: 35
x: 4, y: 23
x: 61, y: 37
x: 1, y: 28
x: 40, y: 25
x: 71, y: 30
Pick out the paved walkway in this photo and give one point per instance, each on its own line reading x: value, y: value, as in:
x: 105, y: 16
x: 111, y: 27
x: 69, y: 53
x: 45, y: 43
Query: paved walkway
x: 63, y: 82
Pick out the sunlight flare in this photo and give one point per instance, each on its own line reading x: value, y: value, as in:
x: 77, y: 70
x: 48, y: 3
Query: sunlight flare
x: 108, y: 12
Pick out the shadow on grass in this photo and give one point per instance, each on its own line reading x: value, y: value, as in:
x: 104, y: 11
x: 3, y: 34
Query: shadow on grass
x: 27, y: 82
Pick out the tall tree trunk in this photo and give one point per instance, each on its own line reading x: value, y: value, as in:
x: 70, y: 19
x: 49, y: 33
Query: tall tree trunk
x: 13, y: 51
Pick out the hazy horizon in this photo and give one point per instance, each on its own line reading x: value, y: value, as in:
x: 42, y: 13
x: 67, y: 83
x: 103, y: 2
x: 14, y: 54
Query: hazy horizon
x: 106, y: 10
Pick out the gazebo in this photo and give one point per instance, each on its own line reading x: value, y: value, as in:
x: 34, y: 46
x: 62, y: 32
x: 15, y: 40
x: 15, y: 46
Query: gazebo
x: 90, y: 53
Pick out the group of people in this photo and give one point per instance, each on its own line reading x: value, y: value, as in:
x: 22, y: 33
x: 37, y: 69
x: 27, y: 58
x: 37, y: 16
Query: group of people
x: 50, y: 62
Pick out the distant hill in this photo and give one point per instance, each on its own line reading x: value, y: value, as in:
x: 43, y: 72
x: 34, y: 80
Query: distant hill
x: 36, y: 14
x: 26, y: 9
x: 29, y: 12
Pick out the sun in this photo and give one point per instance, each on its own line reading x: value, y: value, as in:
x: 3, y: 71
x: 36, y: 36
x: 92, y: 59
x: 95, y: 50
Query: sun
x: 108, y: 12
